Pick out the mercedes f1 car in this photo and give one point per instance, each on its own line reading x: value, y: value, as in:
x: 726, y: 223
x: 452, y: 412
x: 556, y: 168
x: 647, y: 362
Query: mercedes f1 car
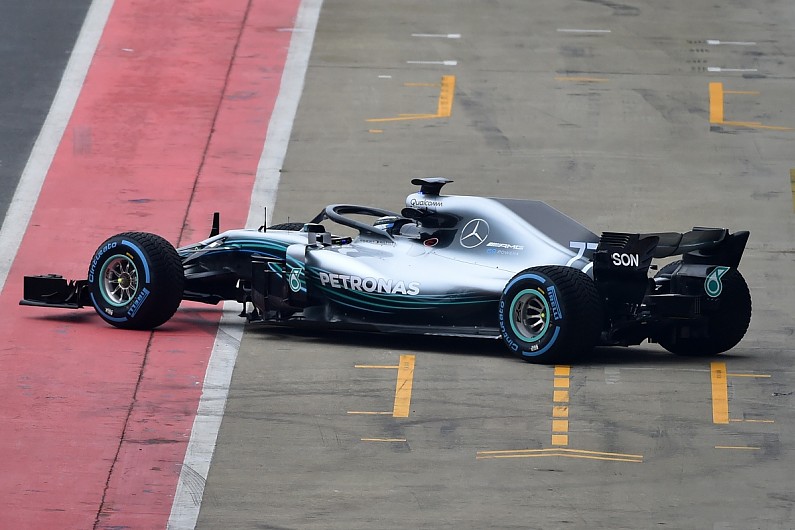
x: 514, y: 269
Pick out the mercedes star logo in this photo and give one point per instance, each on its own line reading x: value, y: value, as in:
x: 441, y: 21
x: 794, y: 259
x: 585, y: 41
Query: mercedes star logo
x: 474, y: 233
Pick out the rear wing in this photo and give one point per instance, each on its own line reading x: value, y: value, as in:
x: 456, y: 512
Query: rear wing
x: 621, y: 261
x: 703, y: 246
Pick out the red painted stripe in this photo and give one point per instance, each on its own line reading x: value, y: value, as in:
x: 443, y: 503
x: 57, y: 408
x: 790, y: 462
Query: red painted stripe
x: 166, y: 130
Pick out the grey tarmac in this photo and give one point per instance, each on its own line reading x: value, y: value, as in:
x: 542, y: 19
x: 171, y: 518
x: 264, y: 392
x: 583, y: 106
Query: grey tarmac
x: 642, y: 116
x: 37, y: 37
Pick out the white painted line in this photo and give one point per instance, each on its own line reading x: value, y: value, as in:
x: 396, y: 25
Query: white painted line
x: 565, y: 30
x: 281, y: 124
x: 612, y: 375
x: 384, y: 77
x: 204, y: 435
x: 443, y: 63
x: 22, y: 204
x: 437, y: 35
x: 719, y: 69
x: 712, y: 42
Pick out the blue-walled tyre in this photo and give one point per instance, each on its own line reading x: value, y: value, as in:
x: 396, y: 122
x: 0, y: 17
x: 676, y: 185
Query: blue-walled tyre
x: 136, y: 280
x: 550, y: 314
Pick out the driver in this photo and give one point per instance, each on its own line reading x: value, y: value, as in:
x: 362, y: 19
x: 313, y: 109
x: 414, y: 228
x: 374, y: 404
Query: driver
x: 397, y: 225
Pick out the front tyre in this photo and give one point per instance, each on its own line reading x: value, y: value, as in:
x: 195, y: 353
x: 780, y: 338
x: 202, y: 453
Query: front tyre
x: 136, y: 280
x: 550, y: 313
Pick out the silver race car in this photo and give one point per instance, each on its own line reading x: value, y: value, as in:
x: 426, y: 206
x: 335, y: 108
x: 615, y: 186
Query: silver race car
x: 456, y: 265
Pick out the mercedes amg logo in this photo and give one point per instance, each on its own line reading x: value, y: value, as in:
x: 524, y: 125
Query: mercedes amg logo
x: 474, y: 233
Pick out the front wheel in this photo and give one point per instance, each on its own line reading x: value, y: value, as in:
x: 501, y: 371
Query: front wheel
x: 136, y: 280
x: 550, y: 313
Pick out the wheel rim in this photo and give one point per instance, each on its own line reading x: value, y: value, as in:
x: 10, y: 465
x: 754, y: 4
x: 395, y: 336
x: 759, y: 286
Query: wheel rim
x: 119, y: 280
x: 530, y: 315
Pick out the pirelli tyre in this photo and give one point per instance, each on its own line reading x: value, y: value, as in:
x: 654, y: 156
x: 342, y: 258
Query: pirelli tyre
x: 136, y: 280
x: 727, y: 322
x: 550, y: 313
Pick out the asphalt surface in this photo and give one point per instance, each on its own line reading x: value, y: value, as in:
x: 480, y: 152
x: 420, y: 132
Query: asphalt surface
x: 37, y: 38
x: 604, y: 110
x: 611, y: 113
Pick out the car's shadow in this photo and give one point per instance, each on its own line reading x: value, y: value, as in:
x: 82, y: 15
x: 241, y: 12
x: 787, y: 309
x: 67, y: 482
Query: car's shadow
x: 69, y: 317
x: 204, y: 320
x: 389, y: 341
x: 644, y: 354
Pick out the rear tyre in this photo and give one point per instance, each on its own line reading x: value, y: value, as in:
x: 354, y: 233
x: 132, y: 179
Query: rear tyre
x: 136, y: 280
x: 550, y: 313
x: 726, y: 324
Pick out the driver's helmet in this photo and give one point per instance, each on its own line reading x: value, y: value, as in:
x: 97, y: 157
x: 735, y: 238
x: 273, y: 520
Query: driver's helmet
x: 387, y: 223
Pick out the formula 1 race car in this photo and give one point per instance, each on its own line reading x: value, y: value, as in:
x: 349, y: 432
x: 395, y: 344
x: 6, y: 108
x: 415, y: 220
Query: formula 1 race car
x: 445, y: 265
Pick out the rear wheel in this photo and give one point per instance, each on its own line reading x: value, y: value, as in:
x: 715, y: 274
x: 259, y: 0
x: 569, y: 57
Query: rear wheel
x: 136, y: 280
x: 550, y: 313
x: 726, y: 323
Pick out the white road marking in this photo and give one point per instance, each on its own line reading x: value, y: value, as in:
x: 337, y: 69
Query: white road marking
x: 570, y: 30
x: 437, y: 35
x: 384, y: 77
x: 204, y: 435
x: 281, y: 124
x: 712, y: 42
x: 27, y: 193
x: 443, y: 63
x: 719, y: 69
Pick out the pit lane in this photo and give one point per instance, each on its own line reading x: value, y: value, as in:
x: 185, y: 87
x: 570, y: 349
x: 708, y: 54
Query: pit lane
x: 611, y: 113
